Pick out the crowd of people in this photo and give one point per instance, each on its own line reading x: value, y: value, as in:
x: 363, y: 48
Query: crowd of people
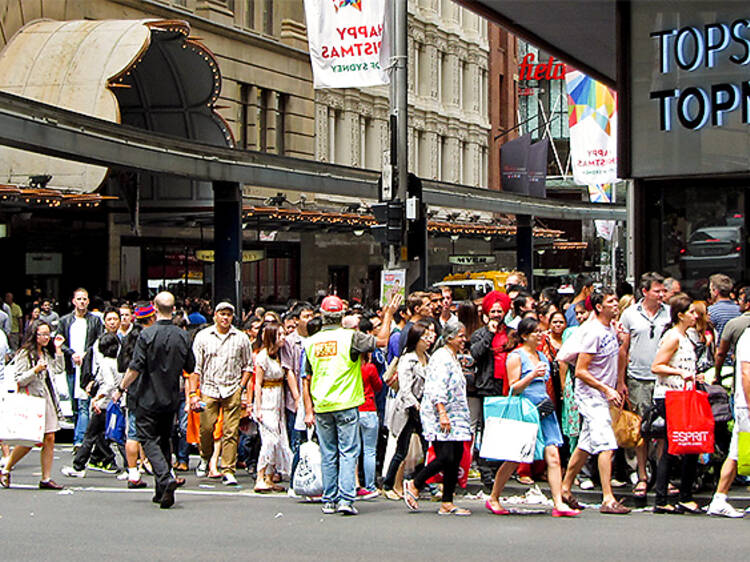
x: 394, y: 393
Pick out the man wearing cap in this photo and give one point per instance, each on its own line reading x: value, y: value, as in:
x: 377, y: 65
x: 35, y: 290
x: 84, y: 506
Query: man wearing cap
x: 223, y: 365
x: 333, y: 391
x: 488, y: 349
x: 162, y: 353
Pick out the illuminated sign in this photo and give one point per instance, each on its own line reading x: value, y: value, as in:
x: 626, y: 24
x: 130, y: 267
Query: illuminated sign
x: 690, y: 48
x: 550, y: 70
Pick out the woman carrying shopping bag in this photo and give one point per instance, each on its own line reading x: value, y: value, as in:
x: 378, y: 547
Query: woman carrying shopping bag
x: 528, y: 371
x: 674, y: 365
x: 37, y: 363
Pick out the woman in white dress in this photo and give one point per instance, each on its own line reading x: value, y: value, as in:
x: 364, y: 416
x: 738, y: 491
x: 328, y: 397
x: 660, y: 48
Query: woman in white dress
x: 275, y: 454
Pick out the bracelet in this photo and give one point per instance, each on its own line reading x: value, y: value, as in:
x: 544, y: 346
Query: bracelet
x: 192, y: 394
x: 120, y: 389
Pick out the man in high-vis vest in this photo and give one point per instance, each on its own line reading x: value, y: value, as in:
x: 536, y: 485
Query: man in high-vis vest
x: 333, y: 391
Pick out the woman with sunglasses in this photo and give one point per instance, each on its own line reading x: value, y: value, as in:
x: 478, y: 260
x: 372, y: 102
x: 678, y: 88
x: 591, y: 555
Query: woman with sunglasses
x: 528, y: 370
x: 35, y: 365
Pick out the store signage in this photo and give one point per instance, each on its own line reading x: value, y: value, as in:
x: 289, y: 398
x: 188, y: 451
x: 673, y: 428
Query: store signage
x: 690, y: 48
x: 472, y: 259
x: 550, y: 70
x: 248, y: 256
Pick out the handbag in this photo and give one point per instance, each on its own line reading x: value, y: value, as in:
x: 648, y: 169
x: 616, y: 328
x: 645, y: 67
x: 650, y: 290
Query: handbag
x: 627, y: 425
x: 308, y: 477
x: 22, y: 419
x: 545, y: 408
x: 743, y: 453
x: 115, y: 423
x: 653, y: 424
x: 511, y: 430
x: 690, y: 422
x: 718, y: 398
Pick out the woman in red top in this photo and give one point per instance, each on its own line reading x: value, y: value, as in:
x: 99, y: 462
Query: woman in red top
x: 368, y: 419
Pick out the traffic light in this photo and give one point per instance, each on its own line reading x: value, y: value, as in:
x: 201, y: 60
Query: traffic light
x: 390, y: 222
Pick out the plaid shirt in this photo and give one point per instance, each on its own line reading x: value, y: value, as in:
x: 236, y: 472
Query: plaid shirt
x: 220, y: 360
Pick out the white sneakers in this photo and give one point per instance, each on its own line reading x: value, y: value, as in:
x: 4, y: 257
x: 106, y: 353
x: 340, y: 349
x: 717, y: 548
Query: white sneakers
x: 722, y: 508
x: 228, y: 479
x: 72, y: 472
x: 202, y: 469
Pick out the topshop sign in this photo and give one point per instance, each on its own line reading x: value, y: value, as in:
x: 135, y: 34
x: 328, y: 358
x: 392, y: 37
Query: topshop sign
x: 690, y: 48
x: 688, y: 106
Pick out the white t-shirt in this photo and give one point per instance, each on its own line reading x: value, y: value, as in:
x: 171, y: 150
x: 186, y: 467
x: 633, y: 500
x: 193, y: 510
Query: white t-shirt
x: 743, y: 355
x: 601, y: 342
x: 683, y: 359
x: 78, y: 345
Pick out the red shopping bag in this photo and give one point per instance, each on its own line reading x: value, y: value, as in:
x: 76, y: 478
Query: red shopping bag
x: 463, y: 469
x: 690, y: 423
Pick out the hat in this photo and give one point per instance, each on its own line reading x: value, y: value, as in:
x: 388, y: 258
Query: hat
x: 332, y: 304
x: 495, y: 296
x: 224, y: 305
x: 142, y: 312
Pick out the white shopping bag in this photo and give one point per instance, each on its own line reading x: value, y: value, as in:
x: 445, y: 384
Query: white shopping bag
x: 308, y: 476
x: 508, y: 440
x: 21, y: 419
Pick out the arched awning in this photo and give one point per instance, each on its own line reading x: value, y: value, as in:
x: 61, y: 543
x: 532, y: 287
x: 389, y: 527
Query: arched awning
x: 145, y: 73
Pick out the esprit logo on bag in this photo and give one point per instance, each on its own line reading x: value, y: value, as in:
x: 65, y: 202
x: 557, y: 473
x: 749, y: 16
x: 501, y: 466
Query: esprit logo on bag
x: 689, y: 437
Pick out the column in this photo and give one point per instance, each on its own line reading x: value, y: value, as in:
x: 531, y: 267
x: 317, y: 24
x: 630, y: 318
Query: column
x: 525, y: 247
x: 228, y: 244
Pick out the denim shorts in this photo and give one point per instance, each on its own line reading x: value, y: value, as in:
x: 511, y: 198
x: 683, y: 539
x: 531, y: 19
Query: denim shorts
x: 131, y: 426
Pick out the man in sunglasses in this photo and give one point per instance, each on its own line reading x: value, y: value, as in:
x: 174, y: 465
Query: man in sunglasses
x: 643, y: 324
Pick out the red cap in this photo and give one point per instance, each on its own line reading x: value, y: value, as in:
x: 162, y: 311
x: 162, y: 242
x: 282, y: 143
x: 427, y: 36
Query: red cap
x: 332, y: 304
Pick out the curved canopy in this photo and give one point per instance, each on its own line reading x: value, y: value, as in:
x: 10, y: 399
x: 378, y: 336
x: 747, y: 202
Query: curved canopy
x: 145, y: 73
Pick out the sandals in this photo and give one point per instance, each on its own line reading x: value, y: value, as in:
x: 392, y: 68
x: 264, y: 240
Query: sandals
x: 410, y: 499
x: 640, y: 489
x: 392, y: 495
x: 615, y: 508
x: 667, y: 509
x: 5, y: 478
x: 526, y: 480
x: 495, y: 511
x: 571, y: 501
x: 684, y: 507
x: 455, y: 510
x: 672, y: 490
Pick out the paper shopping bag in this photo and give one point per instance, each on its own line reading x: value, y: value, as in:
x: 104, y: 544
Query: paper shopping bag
x: 508, y: 440
x: 21, y: 419
x: 690, y: 422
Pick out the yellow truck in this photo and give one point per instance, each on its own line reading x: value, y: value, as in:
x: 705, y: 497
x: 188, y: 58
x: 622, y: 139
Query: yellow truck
x: 471, y: 285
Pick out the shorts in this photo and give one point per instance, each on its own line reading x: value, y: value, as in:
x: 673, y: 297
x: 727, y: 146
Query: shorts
x: 130, y: 433
x: 641, y: 394
x: 741, y: 423
x: 596, y: 434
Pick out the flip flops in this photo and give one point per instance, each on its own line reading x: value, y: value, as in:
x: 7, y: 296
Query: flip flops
x: 410, y: 499
x: 455, y: 510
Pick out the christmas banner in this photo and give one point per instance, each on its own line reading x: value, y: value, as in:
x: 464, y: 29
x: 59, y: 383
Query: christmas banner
x: 345, y: 39
x: 592, y: 117
x: 602, y: 193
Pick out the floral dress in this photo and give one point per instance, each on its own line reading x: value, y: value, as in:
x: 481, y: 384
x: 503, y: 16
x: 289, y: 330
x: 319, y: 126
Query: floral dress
x: 445, y: 384
x: 274, y: 445
x: 571, y: 423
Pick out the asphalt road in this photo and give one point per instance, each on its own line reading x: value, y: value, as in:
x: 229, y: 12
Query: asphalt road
x: 97, y: 518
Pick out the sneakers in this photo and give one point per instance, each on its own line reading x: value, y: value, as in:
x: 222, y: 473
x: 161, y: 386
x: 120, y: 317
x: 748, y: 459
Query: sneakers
x: 136, y: 485
x: 345, y: 508
x: 722, y: 508
x: 202, y: 469
x: 229, y: 480
x: 167, y: 498
x: 108, y: 468
x: 365, y: 494
x: 587, y: 484
x: 123, y: 476
x: 328, y: 508
x: 72, y: 472
x: 291, y: 494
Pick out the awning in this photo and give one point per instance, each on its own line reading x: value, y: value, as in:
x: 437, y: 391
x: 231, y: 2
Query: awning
x: 581, y: 33
x: 145, y: 73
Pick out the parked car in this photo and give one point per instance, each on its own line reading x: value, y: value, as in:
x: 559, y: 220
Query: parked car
x: 714, y: 249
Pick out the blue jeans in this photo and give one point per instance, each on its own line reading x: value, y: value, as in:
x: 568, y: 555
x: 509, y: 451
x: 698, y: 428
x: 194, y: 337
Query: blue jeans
x: 339, y: 448
x: 82, y: 420
x: 368, y: 431
x: 295, y: 437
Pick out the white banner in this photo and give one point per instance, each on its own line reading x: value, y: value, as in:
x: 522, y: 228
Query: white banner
x: 592, y: 113
x: 345, y: 39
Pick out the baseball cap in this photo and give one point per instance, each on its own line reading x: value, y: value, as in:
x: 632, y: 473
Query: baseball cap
x: 224, y: 305
x: 332, y: 304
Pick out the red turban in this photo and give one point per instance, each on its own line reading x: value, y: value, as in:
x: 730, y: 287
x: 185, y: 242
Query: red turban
x: 495, y: 296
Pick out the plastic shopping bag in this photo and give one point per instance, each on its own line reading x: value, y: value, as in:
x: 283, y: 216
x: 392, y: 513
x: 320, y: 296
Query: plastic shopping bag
x: 21, y: 419
x: 115, y: 422
x: 463, y: 468
x: 690, y: 422
x: 308, y: 477
x: 743, y: 453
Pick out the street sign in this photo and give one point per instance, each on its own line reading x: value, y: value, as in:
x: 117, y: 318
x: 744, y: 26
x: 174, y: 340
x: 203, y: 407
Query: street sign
x: 471, y: 259
x: 247, y: 255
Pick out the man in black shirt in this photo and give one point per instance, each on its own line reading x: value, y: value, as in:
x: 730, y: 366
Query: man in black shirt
x: 162, y: 353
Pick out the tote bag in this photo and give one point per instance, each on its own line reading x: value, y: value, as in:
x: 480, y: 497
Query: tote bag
x: 690, y: 422
x: 511, y: 430
x: 115, y: 423
x: 21, y: 419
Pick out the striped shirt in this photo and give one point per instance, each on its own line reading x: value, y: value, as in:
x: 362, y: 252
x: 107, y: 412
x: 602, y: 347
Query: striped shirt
x: 220, y: 360
x: 722, y: 312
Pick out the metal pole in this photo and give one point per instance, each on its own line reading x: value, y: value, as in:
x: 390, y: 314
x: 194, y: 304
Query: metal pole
x: 400, y: 104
